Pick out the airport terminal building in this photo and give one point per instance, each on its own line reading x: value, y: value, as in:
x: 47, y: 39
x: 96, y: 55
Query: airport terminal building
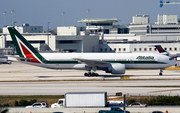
x: 101, y: 35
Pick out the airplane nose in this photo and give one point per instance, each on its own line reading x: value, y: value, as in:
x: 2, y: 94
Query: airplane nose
x: 172, y: 62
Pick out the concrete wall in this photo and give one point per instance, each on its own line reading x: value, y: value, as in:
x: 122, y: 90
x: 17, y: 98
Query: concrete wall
x: 25, y: 29
x: 129, y: 37
x: 91, y: 110
x: 138, y: 47
x: 52, y: 42
x: 68, y: 31
x: 115, y: 48
x: 39, y: 46
x: 91, y: 44
x: 141, y: 19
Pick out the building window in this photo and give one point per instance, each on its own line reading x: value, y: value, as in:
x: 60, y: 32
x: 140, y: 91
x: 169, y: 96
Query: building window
x: 149, y: 49
x: 175, y: 49
x: 110, y: 49
x: 170, y: 49
x: 66, y: 42
x: 124, y: 49
x: 139, y: 49
x: 119, y: 49
x: 134, y: 49
x: 144, y: 49
x: 106, y: 49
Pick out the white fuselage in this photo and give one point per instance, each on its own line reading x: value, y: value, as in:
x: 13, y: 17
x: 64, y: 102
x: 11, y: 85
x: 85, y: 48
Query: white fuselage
x: 130, y: 60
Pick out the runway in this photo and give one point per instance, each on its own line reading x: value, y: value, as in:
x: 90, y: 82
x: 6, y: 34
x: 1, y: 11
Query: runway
x: 23, y: 72
x: 22, y: 79
x: 160, y: 87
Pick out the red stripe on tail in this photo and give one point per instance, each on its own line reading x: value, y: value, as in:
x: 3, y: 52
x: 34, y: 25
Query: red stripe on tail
x: 28, y: 54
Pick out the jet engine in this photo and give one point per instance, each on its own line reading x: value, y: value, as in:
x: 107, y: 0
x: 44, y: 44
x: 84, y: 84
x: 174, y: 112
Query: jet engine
x: 116, y: 68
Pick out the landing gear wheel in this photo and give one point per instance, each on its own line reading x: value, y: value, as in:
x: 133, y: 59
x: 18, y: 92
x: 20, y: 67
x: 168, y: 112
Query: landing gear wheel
x: 96, y: 74
x: 85, y: 74
x: 91, y: 74
x: 160, y: 73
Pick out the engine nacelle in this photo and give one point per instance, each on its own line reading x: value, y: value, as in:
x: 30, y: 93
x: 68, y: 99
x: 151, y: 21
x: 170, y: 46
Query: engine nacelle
x: 116, y: 68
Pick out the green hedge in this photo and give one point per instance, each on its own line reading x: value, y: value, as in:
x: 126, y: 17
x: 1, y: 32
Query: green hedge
x: 24, y: 102
x: 165, y: 100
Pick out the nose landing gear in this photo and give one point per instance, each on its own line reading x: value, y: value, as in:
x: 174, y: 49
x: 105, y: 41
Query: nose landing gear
x: 160, y: 73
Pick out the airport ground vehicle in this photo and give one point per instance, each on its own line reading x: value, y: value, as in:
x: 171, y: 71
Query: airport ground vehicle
x: 137, y: 104
x: 38, y: 105
x: 113, y: 110
x: 4, y: 60
x: 116, y: 101
x: 82, y: 99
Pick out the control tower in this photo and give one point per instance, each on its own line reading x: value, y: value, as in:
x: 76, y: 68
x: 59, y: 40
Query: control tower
x: 102, y: 25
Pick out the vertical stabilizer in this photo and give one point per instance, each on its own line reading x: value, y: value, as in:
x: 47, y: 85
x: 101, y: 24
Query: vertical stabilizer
x: 24, y: 48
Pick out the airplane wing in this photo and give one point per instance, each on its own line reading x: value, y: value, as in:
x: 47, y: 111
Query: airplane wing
x: 93, y: 63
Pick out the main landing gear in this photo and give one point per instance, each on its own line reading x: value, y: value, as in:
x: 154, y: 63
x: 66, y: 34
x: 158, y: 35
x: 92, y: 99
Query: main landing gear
x: 91, y: 74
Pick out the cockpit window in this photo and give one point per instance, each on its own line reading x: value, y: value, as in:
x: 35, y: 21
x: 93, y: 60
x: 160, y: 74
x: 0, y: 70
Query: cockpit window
x: 171, y: 58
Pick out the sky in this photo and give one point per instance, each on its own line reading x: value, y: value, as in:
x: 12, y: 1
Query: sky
x: 40, y: 12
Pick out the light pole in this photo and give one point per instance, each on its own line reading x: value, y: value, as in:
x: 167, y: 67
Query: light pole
x: 4, y: 18
x: 63, y: 13
x: 88, y: 18
x: 48, y: 34
x: 12, y: 17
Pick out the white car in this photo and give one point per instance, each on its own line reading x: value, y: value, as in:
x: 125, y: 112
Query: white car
x: 38, y: 105
x: 137, y: 104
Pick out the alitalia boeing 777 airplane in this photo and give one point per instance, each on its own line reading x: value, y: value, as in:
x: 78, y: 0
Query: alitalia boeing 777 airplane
x: 114, y: 63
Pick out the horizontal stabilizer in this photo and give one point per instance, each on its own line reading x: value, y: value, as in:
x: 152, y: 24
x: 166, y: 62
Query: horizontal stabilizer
x: 21, y: 58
